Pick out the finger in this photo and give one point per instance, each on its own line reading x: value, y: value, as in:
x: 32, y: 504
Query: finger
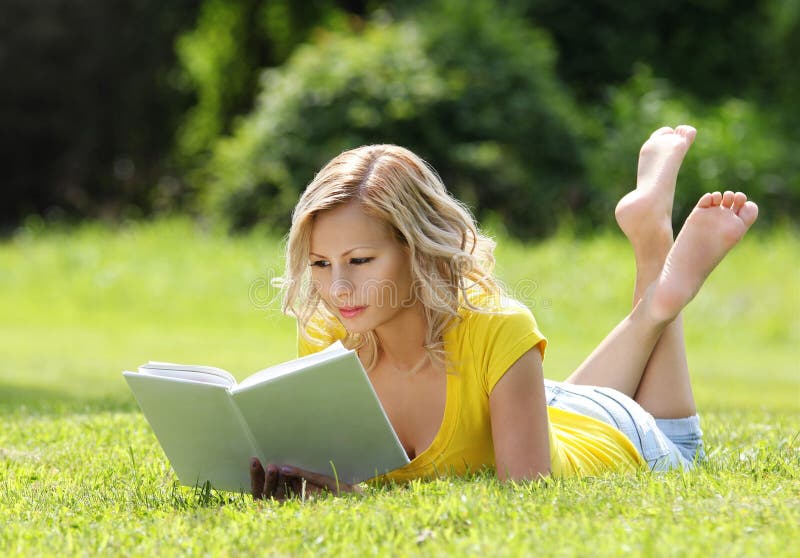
x: 296, y: 486
x: 312, y: 490
x: 280, y: 489
x: 292, y: 486
x: 271, y: 482
x: 256, y: 478
x: 322, y: 481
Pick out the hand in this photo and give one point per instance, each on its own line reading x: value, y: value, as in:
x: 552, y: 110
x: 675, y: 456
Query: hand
x: 284, y: 482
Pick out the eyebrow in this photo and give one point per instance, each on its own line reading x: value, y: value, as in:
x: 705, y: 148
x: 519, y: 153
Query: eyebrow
x: 343, y: 253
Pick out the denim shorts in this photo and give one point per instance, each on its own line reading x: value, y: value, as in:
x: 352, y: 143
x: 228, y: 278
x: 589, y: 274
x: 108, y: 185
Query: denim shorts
x: 663, y: 443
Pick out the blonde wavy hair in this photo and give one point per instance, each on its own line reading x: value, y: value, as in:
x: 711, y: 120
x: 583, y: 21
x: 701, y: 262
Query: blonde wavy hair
x: 450, y: 258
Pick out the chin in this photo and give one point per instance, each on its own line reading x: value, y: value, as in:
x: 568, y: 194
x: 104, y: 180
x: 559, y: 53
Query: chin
x: 356, y: 328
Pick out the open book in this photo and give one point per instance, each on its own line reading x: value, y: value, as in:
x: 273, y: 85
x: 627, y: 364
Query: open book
x: 317, y: 412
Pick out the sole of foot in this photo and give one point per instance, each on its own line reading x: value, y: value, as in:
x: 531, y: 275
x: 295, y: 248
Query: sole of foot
x: 716, y: 224
x: 645, y: 214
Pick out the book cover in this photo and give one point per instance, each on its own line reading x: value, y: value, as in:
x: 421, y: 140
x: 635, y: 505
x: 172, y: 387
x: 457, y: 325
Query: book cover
x: 318, y: 413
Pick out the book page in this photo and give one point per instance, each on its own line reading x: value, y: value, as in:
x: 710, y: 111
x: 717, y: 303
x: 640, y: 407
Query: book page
x: 191, y: 372
x: 324, y: 418
x: 198, y: 427
x: 284, y: 368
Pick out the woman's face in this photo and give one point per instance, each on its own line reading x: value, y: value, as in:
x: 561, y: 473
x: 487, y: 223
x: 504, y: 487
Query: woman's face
x: 361, y: 271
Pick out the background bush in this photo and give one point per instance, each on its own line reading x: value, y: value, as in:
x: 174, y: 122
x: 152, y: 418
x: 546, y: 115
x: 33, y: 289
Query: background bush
x: 531, y: 110
x: 222, y: 57
x: 473, y: 92
x: 738, y: 147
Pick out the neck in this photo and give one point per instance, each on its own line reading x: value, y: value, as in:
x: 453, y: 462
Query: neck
x: 402, y: 341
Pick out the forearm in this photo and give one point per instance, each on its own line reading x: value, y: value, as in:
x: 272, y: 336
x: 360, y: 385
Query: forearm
x: 520, y: 430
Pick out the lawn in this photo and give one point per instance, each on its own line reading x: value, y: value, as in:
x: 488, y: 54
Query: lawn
x: 82, y: 474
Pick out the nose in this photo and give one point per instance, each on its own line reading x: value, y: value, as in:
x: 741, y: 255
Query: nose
x: 341, y: 289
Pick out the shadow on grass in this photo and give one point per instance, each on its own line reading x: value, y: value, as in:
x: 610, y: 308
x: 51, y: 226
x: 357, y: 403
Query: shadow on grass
x: 16, y: 398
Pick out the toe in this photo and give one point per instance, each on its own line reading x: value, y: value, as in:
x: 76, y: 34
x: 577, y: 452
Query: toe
x: 727, y: 199
x: 716, y: 198
x: 662, y: 131
x: 748, y: 213
x: 688, y: 132
x: 706, y: 200
x: 739, y: 200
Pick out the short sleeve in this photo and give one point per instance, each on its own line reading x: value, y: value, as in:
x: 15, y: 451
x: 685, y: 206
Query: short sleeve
x: 500, y: 339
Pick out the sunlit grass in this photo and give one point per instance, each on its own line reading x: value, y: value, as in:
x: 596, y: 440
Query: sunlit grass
x: 82, y: 473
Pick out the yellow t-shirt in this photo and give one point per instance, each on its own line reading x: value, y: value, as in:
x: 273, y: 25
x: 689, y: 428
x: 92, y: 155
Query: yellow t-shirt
x: 480, y: 349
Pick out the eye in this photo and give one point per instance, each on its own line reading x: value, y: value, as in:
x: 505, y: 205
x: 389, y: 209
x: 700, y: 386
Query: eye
x: 319, y: 263
x: 359, y: 261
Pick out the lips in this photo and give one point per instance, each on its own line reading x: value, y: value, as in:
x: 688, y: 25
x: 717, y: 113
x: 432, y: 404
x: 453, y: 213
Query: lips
x: 351, y: 311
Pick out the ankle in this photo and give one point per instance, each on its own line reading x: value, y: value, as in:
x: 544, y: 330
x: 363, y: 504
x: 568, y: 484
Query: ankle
x: 654, y: 312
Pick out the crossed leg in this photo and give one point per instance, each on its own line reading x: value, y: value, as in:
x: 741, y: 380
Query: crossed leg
x: 645, y: 216
x: 644, y: 356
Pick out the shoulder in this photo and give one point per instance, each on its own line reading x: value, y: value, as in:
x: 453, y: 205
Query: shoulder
x: 493, y: 332
x: 486, y: 315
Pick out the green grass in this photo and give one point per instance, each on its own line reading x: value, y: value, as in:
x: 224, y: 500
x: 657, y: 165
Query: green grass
x: 81, y: 472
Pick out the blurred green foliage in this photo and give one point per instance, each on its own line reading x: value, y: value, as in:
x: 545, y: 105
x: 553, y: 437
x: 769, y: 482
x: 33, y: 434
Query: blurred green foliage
x: 339, y: 92
x: 222, y: 57
x: 531, y: 110
x: 709, y: 48
x: 516, y: 158
x: 739, y: 147
x: 478, y: 91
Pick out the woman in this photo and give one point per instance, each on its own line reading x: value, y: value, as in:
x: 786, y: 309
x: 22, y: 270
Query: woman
x: 383, y: 258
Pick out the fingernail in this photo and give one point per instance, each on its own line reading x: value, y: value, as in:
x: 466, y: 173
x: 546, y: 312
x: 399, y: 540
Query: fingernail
x: 254, y: 463
x: 286, y: 470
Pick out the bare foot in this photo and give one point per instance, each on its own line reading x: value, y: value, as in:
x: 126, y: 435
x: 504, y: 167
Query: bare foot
x: 645, y: 214
x: 714, y: 226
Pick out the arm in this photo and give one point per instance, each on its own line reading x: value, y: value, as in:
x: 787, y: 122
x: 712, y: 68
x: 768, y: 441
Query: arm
x: 519, y: 420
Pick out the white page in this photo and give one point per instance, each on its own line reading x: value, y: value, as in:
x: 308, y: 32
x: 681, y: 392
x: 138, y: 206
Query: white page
x: 199, y: 429
x: 284, y: 368
x: 325, y: 413
x: 193, y: 372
